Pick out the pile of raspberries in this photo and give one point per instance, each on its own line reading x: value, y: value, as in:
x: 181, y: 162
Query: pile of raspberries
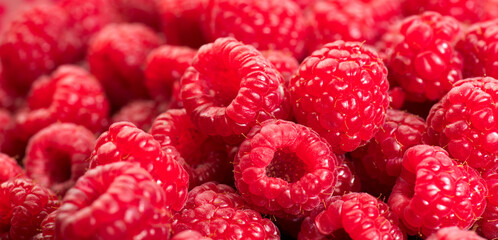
x: 248, y: 119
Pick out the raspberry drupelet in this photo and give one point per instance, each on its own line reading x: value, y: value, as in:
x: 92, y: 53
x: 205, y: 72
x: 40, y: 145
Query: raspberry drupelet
x: 116, y: 201
x: 348, y: 178
x: 70, y: 94
x: 23, y: 206
x: 265, y: 24
x: 464, y: 122
x: 230, y: 87
x: 356, y: 216
x: 58, y: 155
x: 434, y: 192
x: 422, y: 58
x: 341, y: 91
x: 116, y: 55
x: 488, y: 224
x: 286, y: 64
x: 205, y: 158
x: 47, y: 228
x: 9, y: 168
x: 125, y: 142
x: 218, y: 212
x: 285, y: 169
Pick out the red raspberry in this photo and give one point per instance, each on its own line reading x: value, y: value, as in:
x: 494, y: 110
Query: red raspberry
x: 356, y: 216
x: 380, y: 160
x: 434, y: 192
x: 397, y: 98
x: 116, y: 201
x: 348, y: 179
x: 58, y: 155
x: 464, y: 122
x: 286, y: 64
x: 9, y: 141
x: 216, y: 211
x: 125, y: 142
x: 116, y: 55
x: 23, y: 206
x: 285, y: 169
x: 90, y: 16
x: 181, y: 21
x: 479, y: 48
x: 205, y: 158
x: 340, y: 91
x: 70, y: 94
x: 230, y: 88
x: 10, y: 168
x: 35, y: 43
x: 350, y: 20
x: 190, y: 235
x: 47, y: 228
x: 468, y: 11
x: 139, y: 112
x: 488, y: 224
x: 265, y: 24
x: 454, y: 233
x: 165, y: 66
x: 142, y: 11
x: 422, y: 59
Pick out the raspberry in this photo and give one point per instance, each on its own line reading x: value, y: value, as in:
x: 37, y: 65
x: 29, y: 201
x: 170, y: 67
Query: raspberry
x: 35, y: 43
x: 139, y: 112
x: 165, y: 66
x: 434, y: 192
x: 351, y: 20
x: 205, y: 158
x: 141, y: 11
x: 397, y: 97
x: 230, y: 88
x: 464, y: 122
x: 70, y: 94
x: 116, y: 55
x: 181, y: 21
x: 488, y: 224
x: 479, y: 48
x: 422, y: 59
x: 348, y: 179
x: 115, y: 201
x: 216, y: 211
x: 58, y: 155
x: 125, y: 142
x: 10, y: 168
x: 454, y: 233
x: 190, y: 235
x: 468, y: 11
x: 381, y: 158
x: 340, y: 91
x: 285, y: 169
x: 9, y: 141
x: 265, y: 24
x: 23, y: 206
x: 47, y: 228
x: 286, y: 64
x: 353, y: 216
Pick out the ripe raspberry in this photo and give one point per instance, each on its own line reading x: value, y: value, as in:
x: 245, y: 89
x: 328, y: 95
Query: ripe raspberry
x: 35, y: 43
x: 434, y: 192
x: 47, y: 228
x: 230, y: 88
x: 70, y: 94
x: 397, y: 98
x: 348, y: 179
x: 422, y: 59
x: 139, y: 112
x: 165, y: 66
x: 216, y: 211
x: 125, y: 142
x: 468, y: 11
x: 181, y: 21
x: 23, y: 206
x: 350, y: 20
x: 286, y: 64
x: 58, y: 155
x: 9, y: 141
x: 356, y: 216
x: 10, y: 168
x: 141, y: 11
x: 285, y: 169
x: 116, y: 55
x: 488, y: 224
x: 90, y: 16
x: 479, y: 48
x: 380, y: 160
x: 340, y: 91
x: 190, y: 235
x: 464, y: 122
x: 205, y: 158
x: 265, y: 24
x: 115, y: 201
x: 454, y: 233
